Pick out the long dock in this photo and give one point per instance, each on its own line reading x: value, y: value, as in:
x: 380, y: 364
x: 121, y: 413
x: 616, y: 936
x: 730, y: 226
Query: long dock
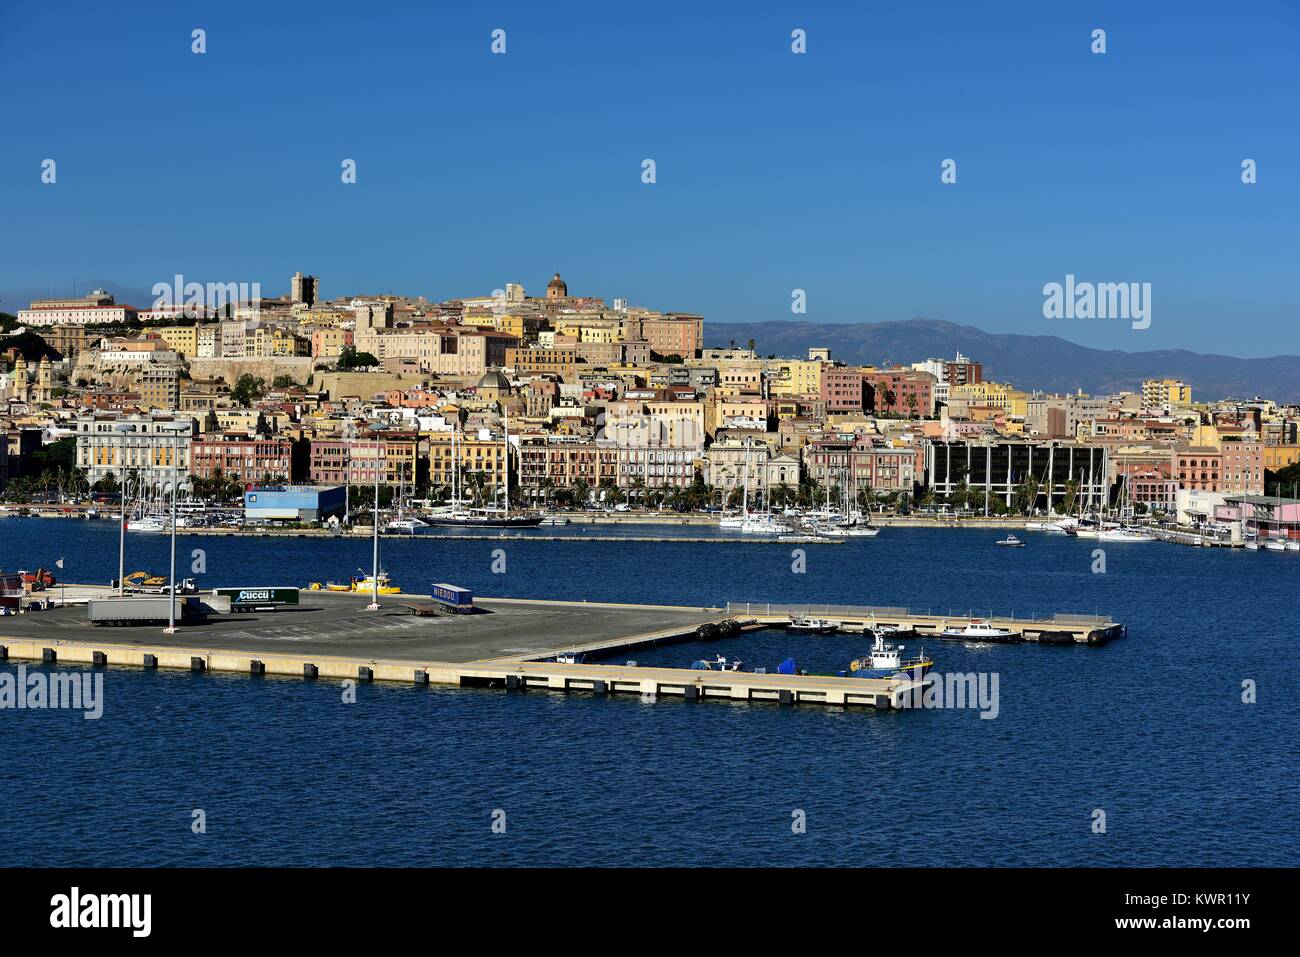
x: 1082, y: 629
x: 597, y: 679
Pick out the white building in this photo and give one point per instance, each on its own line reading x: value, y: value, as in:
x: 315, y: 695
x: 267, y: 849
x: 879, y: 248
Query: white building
x: 95, y: 309
x: 109, y: 443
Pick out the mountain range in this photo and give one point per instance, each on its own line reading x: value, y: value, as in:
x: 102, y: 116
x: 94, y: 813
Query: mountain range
x: 1049, y: 363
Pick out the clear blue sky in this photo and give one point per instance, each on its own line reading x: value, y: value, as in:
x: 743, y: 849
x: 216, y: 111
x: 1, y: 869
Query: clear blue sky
x: 775, y: 171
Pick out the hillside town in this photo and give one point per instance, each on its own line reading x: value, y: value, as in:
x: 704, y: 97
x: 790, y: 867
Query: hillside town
x: 568, y: 401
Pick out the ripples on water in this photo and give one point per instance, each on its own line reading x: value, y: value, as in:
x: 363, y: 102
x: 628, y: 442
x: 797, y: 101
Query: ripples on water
x: 1150, y: 729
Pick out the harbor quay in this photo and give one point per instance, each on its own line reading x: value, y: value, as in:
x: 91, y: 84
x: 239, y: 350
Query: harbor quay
x: 509, y: 644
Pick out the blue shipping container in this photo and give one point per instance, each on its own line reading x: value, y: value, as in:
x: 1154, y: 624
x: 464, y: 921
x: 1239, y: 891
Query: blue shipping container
x: 454, y: 597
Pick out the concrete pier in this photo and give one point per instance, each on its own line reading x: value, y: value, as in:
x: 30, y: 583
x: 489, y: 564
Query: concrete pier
x: 1082, y: 629
x: 332, y: 636
x: 502, y: 645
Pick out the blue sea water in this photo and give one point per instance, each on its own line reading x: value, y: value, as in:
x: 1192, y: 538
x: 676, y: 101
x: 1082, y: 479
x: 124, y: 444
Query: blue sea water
x: 1151, y: 729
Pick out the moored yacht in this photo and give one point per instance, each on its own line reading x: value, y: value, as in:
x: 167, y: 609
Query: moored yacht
x: 979, y: 630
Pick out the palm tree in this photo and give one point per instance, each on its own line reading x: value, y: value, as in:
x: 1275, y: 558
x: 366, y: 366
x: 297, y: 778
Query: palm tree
x: 581, y: 492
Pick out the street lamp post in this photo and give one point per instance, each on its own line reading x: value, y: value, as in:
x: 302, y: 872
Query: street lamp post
x: 121, y: 530
x: 171, y: 608
x: 374, y: 569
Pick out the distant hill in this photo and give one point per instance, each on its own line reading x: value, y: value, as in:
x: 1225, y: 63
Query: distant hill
x: 1031, y: 362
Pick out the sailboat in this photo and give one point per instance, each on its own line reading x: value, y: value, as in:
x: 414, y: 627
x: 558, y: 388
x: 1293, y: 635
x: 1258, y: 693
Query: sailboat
x: 483, y: 517
x: 757, y: 523
x: 400, y: 524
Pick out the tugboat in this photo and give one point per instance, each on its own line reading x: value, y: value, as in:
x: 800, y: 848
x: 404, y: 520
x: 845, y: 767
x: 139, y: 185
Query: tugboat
x: 1011, y: 541
x: 980, y: 630
x: 886, y: 661
x: 816, y: 626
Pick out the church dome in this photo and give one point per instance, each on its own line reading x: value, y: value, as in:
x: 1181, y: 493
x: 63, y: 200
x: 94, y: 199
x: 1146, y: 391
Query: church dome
x: 557, y: 288
x: 494, y: 380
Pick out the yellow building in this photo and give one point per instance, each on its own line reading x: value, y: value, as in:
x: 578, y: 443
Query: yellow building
x: 998, y: 395
x: 796, y: 377
x: 1170, y: 393
x: 478, y: 456
x: 182, y: 339
x: 1278, y: 457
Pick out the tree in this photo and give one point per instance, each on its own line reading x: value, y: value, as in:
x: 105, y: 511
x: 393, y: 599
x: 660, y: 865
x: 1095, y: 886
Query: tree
x: 349, y: 359
x: 60, y: 455
x: 1283, y: 480
x: 247, y: 389
x: 283, y: 382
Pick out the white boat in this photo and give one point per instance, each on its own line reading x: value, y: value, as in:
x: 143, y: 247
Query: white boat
x: 720, y: 663
x: 979, y: 630
x: 552, y: 520
x: 1292, y: 545
x: 1057, y: 526
x: 147, y: 524
x: 763, y: 523
x: 403, y: 525
x: 817, y: 626
x: 862, y: 531
x: 1010, y: 542
x: 1252, y: 545
x: 732, y: 521
x: 1125, y: 535
x: 886, y: 661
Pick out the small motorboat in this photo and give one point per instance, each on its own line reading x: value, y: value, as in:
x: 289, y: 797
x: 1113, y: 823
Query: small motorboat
x: 979, y: 630
x: 886, y: 661
x: 571, y: 658
x: 1275, y: 545
x: 552, y: 520
x: 1010, y: 542
x: 816, y: 626
x: 720, y: 663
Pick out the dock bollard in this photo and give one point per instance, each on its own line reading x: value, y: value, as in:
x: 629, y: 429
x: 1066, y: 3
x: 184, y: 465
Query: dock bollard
x: 150, y: 661
x: 365, y: 674
x: 197, y: 664
x: 421, y: 676
x: 256, y: 667
x: 98, y: 658
x: 48, y: 656
x: 310, y: 671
